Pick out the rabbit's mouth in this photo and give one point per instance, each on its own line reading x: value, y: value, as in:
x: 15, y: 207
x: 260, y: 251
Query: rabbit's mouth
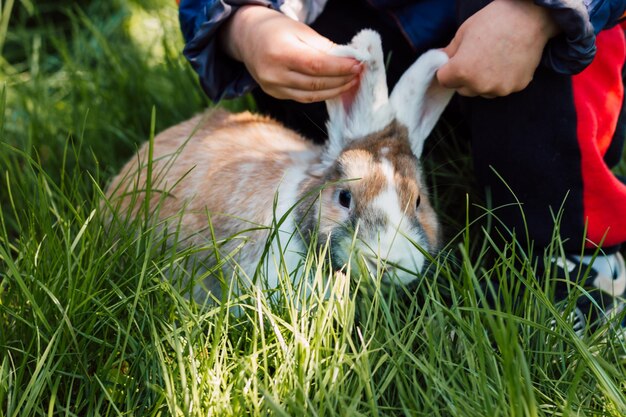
x: 388, y: 271
x: 402, y: 266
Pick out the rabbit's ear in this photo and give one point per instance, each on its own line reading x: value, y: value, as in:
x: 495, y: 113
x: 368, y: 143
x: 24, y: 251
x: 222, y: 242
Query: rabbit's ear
x: 365, y: 109
x: 418, y: 100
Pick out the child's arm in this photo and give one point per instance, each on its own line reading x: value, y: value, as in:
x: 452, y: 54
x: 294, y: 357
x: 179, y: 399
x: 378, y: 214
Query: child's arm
x: 200, y: 22
x: 288, y: 59
x: 497, y: 50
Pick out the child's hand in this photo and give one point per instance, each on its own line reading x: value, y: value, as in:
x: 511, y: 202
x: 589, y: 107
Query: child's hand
x: 497, y: 50
x: 288, y: 59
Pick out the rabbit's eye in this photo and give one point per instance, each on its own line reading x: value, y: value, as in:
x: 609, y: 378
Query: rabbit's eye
x: 345, y: 198
x: 417, y: 203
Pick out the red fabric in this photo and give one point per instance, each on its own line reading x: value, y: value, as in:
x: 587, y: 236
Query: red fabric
x: 598, y: 97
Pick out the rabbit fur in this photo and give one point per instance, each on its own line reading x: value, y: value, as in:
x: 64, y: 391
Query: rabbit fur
x: 250, y: 177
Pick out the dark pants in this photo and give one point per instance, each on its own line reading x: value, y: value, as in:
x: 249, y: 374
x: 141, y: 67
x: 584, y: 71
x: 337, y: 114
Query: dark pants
x: 548, y: 147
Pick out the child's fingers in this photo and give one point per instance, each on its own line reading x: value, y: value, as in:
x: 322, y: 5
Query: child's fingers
x: 308, y: 96
x: 317, y: 63
x: 305, y: 82
x: 450, y: 75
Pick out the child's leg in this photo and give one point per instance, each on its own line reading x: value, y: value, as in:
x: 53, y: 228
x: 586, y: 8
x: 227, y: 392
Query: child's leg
x: 551, y: 147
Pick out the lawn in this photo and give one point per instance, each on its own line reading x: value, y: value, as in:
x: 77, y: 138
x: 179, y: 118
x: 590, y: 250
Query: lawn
x: 91, y: 325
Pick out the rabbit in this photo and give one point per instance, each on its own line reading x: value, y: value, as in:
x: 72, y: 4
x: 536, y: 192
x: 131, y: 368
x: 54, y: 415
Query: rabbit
x: 249, y: 177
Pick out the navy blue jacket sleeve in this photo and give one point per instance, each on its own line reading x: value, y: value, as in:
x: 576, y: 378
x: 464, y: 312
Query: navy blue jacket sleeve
x: 220, y: 76
x: 580, y: 21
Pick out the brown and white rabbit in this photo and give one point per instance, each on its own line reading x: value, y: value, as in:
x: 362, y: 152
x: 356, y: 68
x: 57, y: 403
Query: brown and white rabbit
x: 252, y: 178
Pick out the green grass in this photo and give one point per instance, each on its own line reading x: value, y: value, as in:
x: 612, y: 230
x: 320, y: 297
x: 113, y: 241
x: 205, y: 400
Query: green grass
x: 89, y: 324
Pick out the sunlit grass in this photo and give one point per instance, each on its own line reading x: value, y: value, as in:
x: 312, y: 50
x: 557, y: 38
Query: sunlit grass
x: 92, y: 323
